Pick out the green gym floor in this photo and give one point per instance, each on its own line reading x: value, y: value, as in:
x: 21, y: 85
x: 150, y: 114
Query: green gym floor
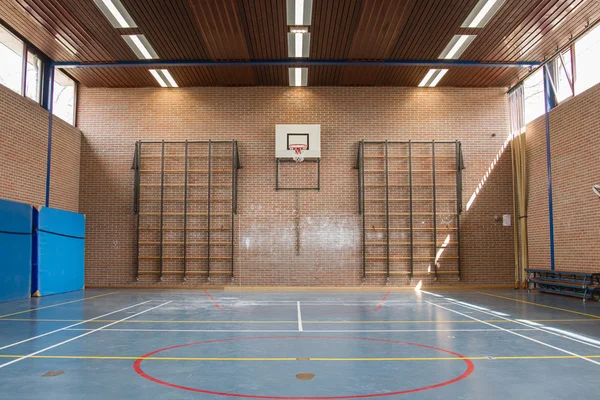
x: 162, y: 344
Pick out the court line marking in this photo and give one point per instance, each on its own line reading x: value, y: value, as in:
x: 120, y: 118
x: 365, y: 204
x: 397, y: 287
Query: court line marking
x: 151, y: 358
x: 307, y: 331
x: 517, y: 334
x: 56, y: 305
x: 540, y: 305
x: 77, y: 337
x: 374, y: 322
x: 540, y: 327
x: 299, y: 318
x: 71, y: 326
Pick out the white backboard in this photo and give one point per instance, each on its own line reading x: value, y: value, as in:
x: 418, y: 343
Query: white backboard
x: 297, y: 134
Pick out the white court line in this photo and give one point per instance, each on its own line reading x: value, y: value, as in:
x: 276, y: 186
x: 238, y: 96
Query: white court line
x: 299, y: 318
x: 71, y: 326
x: 77, y: 337
x: 540, y: 328
x: 516, y: 334
x: 291, y: 331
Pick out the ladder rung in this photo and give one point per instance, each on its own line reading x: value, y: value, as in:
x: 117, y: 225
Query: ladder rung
x: 181, y: 229
x: 383, y: 156
x: 416, y: 273
x: 181, y: 171
x: 181, y: 272
x: 414, y: 258
x: 190, y: 214
x: 406, y: 214
x: 177, y: 156
x: 407, y: 229
x: 408, y: 199
x: 181, y: 258
x: 182, y: 199
x: 188, y: 243
x: 182, y: 184
x: 407, y: 171
x: 406, y: 243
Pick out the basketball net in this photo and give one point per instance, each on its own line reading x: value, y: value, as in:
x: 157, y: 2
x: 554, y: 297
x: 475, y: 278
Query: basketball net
x: 298, y: 149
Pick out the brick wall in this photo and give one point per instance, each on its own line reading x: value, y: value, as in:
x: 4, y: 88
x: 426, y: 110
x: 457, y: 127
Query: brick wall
x: 330, y: 227
x: 574, y: 142
x: 23, y: 154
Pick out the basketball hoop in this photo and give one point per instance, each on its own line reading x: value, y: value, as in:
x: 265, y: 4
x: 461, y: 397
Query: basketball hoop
x: 298, y: 149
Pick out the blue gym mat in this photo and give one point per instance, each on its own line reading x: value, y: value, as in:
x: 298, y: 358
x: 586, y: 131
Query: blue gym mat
x: 58, y: 252
x: 15, y: 250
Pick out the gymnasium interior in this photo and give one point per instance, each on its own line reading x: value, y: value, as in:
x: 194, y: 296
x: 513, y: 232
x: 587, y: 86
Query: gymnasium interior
x: 299, y: 199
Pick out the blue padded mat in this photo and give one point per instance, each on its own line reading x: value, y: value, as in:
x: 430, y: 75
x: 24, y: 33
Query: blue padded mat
x: 15, y: 250
x: 59, y: 252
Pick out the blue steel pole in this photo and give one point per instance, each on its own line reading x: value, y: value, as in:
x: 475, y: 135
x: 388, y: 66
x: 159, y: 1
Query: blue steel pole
x: 48, y: 104
x: 550, y: 103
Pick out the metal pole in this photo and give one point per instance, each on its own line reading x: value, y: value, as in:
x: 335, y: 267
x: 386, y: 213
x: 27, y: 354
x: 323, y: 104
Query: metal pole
x: 458, y: 200
x: 208, y: 209
x: 137, y: 249
x: 237, y: 166
x: 185, y: 194
x: 387, y: 211
x: 435, y: 249
x: 364, y: 235
x: 162, y: 192
x: 297, y: 222
x: 49, y: 102
x: 410, y: 212
x: 358, y: 175
x: 233, y: 189
x: 277, y: 175
x: 319, y: 174
x: 549, y: 104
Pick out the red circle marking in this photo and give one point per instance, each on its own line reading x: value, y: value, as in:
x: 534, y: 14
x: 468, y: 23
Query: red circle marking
x: 470, y: 368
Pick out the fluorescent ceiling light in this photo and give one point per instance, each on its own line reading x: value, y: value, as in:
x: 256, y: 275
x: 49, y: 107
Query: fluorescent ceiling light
x: 140, y: 46
x: 164, y: 78
x: 433, y: 77
x: 298, y: 76
x: 482, y: 13
x: 458, y: 44
x: 64, y: 43
x: 298, y: 45
x: 114, y: 11
x: 299, y: 12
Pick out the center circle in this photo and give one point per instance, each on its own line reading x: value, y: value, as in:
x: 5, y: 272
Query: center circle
x: 137, y: 366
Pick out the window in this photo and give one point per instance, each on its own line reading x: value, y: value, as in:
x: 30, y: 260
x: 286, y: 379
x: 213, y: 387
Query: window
x: 587, y: 57
x: 563, y: 87
x: 64, y: 97
x: 534, y: 96
x: 33, y: 82
x: 11, y: 67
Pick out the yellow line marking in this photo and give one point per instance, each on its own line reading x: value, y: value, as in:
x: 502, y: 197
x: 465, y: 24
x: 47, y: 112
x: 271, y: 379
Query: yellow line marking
x: 56, y: 305
x: 541, y: 305
x: 225, y: 322
x: 476, y: 358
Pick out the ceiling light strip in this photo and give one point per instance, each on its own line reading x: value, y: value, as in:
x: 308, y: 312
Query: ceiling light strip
x: 158, y: 78
x: 438, y: 78
x: 482, y: 13
x: 116, y: 13
x: 169, y: 78
x: 140, y: 46
x: 457, y: 45
x: 433, y: 77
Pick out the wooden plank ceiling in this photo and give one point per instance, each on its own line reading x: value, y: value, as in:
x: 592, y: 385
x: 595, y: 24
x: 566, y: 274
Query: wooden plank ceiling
x: 340, y: 30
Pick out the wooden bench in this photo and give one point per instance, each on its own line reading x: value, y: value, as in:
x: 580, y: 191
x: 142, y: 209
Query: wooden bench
x: 580, y: 284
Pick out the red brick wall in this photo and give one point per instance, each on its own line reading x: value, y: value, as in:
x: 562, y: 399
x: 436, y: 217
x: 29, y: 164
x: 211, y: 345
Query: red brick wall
x: 330, y: 251
x: 23, y: 154
x: 574, y: 144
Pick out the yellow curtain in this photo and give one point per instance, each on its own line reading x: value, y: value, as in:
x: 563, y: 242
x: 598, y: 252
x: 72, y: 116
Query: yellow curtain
x: 519, y: 155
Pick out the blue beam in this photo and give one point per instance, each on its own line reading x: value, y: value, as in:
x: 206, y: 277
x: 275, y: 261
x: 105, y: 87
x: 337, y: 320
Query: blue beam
x: 550, y: 103
x: 297, y: 63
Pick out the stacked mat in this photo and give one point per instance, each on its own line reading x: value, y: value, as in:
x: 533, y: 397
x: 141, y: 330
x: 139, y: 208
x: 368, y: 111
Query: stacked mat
x: 58, y: 260
x: 15, y: 250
